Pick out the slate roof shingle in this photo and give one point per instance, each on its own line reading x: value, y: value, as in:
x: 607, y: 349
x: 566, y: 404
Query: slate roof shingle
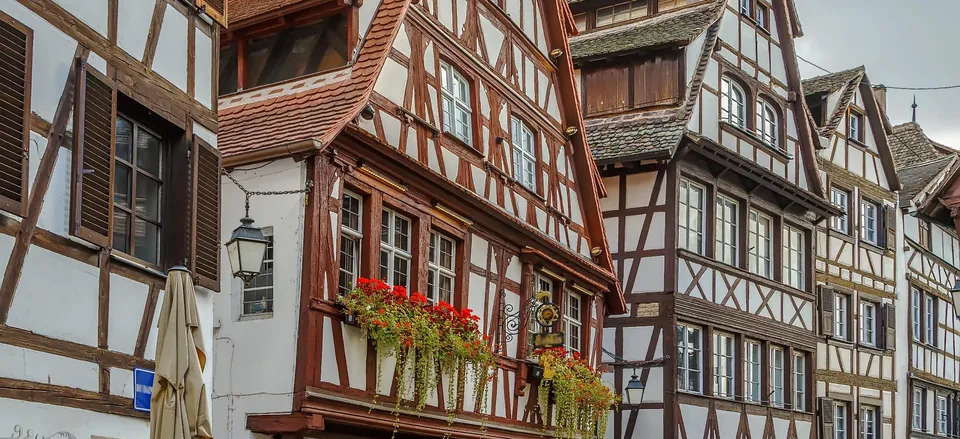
x: 681, y: 26
x: 317, y: 114
x: 635, y: 134
x: 910, y: 146
x: 832, y: 82
x: 916, y: 177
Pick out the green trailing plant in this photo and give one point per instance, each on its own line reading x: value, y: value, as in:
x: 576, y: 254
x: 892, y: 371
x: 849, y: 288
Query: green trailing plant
x: 434, y: 339
x: 582, y: 402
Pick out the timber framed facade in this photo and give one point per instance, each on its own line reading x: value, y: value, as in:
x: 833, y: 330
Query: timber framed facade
x: 714, y: 197
x: 451, y: 121
x: 108, y: 149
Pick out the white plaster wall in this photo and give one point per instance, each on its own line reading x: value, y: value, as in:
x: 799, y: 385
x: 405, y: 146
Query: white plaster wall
x: 170, y: 60
x: 92, y: 12
x: 901, y: 353
x: 203, y: 66
x: 254, y: 358
x: 133, y: 23
x: 40, y: 367
x: 47, y: 420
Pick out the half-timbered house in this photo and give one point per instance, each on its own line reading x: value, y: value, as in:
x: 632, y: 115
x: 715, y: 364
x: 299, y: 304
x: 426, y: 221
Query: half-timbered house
x: 856, y: 257
x: 697, y: 122
x: 108, y: 177
x: 929, y: 328
x: 446, y: 152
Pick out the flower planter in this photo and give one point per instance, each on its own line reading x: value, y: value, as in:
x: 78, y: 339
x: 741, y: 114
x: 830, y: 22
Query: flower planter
x: 349, y: 318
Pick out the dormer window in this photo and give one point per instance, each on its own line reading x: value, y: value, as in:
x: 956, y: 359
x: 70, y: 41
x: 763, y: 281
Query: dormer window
x: 733, y: 103
x: 621, y: 12
x: 768, y: 125
x: 856, y: 127
x: 262, y: 57
x: 746, y: 7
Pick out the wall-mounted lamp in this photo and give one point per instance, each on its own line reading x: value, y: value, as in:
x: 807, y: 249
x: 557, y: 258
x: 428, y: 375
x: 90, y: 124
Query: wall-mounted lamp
x: 367, y: 113
x: 556, y: 53
x: 571, y: 131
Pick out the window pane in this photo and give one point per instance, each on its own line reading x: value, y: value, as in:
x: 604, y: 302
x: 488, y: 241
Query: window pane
x: 228, y: 69
x: 148, y: 152
x: 121, y: 185
x: 402, y: 234
x: 124, y: 141
x: 147, y: 241
x: 148, y: 197
x: 121, y: 231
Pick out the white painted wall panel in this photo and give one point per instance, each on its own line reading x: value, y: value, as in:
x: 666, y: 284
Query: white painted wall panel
x: 46, y: 420
x: 170, y: 60
x: 40, y: 367
x: 133, y: 24
x: 93, y: 13
x: 127, y: 299
x: 203, y: 66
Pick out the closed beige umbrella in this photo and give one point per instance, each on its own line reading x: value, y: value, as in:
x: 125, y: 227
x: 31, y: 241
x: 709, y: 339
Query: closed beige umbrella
x: 178, y: 406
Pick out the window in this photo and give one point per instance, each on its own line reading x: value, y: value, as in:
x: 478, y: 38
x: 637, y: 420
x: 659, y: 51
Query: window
x: 799, y: 382
x: 767, y: 123
x: 916, y: 316
x: 856, y: 126
x: 723, y: 365
x: 350, y: 238
x: 571, y: 322
x: 760, y: 244
x: 793, y: 257
x: 395, y: 249
x: 691, y: 216
x: 285, y: 54
x: 746, y: 7
x: 763, y: 17
x: 524, y: 158
x: 840, y: 421
x: 441, y: 274
x: 868, y: 222
x: 581, y: 20
x: 930, y: 320
x: 137, y: 190
x: 840, y: 198
x: 666, y: 5
x: 841, y: 316
x: 258, y: 294
x: 621, y: 12
x: 919, y: 395
x: 869, y: 421
x: 751, y: 354
x: 457, y: 117
x: 924, y: 233
x: 688, y: 358
x: 776, y: 376
x: 943, y: 423
x: 726, y: 230
x: 868, y: 323
x: 733, y: 103
x: 540, y: 283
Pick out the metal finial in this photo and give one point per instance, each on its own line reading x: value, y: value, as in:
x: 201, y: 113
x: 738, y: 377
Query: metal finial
x: 914, y: 106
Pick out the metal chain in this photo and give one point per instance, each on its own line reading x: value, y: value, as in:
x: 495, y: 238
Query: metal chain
x: 308, y: 185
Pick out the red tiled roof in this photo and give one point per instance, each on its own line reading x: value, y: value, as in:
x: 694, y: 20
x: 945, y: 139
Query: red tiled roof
x: 254, y: 129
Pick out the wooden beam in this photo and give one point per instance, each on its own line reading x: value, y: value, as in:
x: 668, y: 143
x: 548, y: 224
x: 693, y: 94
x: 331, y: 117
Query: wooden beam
x: 104, y: 357
x: 146, y: 322
x: 153, y: 34
x: 291, y: 423
x: 69, y: 397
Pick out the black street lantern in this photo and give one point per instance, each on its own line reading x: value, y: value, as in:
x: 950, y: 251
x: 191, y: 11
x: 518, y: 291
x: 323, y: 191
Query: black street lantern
x: 634, y: 390
x: 246, y: 249
x: 955, y: 293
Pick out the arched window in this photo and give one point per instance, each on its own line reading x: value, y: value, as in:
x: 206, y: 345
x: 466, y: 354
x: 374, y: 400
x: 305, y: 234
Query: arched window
x: 768, y: 124
x: 733, y: 107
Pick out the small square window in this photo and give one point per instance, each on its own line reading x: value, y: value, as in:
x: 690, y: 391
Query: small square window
x: 856, y: 127
x: 258, y: 294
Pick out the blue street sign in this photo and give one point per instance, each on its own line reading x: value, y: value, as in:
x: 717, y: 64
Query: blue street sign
x: 142, y: 389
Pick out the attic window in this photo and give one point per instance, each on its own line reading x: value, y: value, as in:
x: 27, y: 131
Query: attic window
x: 267, y: 57
x: 621, y: 12
x: 856, y: 127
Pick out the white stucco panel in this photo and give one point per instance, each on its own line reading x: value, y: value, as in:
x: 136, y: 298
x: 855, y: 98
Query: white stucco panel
x: 127, y: 299
x: 93, y: 13
x: 170, y: 61
x: 203, y: 68
x: 133, y: 24
x: 40, y: 367
x: 392, y: 81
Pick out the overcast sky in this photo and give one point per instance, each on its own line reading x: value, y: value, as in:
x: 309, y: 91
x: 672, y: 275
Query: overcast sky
x: 913, y: 43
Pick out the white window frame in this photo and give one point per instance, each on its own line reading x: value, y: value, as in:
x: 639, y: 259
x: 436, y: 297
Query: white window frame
x: 760, y: 252
x: 841, y: 316
x: 724, y: 365
x: 689, y: 345
x: 763, y: 17
x: 916, y: 299
x: 746, y: 6
x: 437, y: 271
x: 942, y: 416
x: 524, y: 154
x: 869, y: 222
x: 263, y: 282
x: 393, y: 250
x: 930, y: 320
x: 868, y: 323
x: 727, y: 230
x: 753, y: 371
x: 793, y: 244
x: 572, y: 325
x: 868, y: 422
x: 457, y: 107
x: 355, y: 237
x: 777, y: 378
x: 733, y: 102
x: 692, y: 230
x: 856, y: 126
x: 768, y: 123
x: 799, y: 381
x: 918, y: 403
x: 841, y: 198
x: 840, y: 427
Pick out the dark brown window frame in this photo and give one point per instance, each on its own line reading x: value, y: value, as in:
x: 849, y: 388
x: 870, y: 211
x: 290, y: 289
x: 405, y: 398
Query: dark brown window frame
x: 131, y: 209
x: 861, y: 135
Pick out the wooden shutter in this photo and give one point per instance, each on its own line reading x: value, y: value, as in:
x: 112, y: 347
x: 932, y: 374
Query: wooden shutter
x: 94, y: 115
x: 606, y: 89
x: 656, y: 80
x: 889, y: 326
x: 216, y: 9
x: 206, y: 209
x: 16, y: 48
x: 826, y: 418
x: 826, y: 310
x: 890, y: 222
